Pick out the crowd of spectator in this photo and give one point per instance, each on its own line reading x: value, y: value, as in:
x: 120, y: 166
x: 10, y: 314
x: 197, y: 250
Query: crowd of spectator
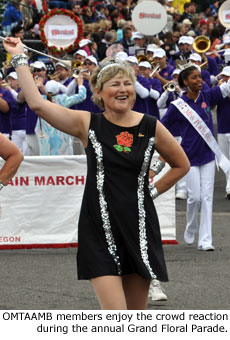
x: 110, y: 21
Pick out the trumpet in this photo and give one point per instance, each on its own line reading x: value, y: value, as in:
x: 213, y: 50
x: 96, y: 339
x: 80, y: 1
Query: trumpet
x: 219, y: 79
x: 156, y: 69
x: 77, y: 71
x: 170, y: 86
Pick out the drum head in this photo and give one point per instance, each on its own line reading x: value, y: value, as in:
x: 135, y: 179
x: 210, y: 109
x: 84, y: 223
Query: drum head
x: 149, y: 17
x: 224, y: 14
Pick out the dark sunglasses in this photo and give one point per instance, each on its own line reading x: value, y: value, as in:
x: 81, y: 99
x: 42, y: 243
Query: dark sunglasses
x: 88, y: 64
x: 37, y: 70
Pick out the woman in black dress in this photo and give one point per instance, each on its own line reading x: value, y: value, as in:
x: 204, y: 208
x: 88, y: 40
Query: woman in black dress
x: 120, y: 249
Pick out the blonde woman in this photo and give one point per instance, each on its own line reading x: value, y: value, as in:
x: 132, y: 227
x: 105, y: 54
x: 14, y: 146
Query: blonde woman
x: 120, y: 249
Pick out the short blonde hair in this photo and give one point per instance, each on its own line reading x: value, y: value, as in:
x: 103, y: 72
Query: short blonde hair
x: 108, y: 69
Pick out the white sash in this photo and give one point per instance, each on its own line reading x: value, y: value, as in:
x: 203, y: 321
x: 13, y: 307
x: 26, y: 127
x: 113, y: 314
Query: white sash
x: 197, y: 122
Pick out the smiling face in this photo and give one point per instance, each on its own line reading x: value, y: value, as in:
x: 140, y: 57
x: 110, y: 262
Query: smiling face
x: 118, y: 94
x: 194, y: 81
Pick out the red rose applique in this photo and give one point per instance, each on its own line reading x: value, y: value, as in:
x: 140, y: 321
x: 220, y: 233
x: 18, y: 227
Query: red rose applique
x: 124, y: 142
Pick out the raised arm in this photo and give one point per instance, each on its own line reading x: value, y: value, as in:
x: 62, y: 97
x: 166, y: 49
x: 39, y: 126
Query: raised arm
x: 73, y: 122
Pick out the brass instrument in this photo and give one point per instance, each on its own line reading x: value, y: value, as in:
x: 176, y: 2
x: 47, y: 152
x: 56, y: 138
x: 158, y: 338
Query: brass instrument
x: 219, y: 47
x: 170, y: 86
x: 142, y: 57
x: 219, y: 78
x: 76, y: 64
x: 201, y: 45
x: 156, y: 69
x: 53, y: 76
x: 77, y: 71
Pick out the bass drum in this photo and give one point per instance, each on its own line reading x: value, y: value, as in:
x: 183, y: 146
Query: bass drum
x: 224, y: 14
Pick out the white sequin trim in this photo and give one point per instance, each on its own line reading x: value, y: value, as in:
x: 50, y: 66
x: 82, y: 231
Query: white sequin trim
x: 141, y: 209
x: 103, y: 204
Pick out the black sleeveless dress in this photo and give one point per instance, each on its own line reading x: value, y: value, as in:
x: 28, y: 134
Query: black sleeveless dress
x: 118, y: 231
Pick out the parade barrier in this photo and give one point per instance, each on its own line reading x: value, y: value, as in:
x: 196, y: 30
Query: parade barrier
x: 40, y: 206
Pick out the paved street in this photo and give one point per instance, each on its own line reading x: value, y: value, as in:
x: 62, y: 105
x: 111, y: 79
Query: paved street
x: 46, y: 278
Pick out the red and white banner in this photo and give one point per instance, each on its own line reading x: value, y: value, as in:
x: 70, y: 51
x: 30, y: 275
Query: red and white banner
x: 40, y: 206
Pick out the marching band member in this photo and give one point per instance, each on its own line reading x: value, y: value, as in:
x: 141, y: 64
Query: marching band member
x: 90, y: 62
x: 80, y: 55
x: 196, y: 59
x: 142, y: 87
x: 223, y: 126
x: 220, y: 55
x: 63, y: 73
x: 145, y: 69
x: 193, y: 112
x: 185, y: 47
x: 38, y: 71
x: 167, y: 96
x: 18, y: 115
x: 7, y: 104
x: 164, y: 75
x: 163, y: 103
x: 150, y: 50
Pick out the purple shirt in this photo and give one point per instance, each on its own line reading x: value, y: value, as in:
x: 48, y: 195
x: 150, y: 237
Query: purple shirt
x: 141, y: 104
x: 31, y: 118
x: 213, y: 68
x: 175, y: 128
x: 5, y: 119
x: 223, y: 116
x: 67, y: 81
x: 18, y: 117
x: 206, y: 77
x: 153, y: 109
x: 167, y: 72
x: 87, y: 104
x: 195, y: 147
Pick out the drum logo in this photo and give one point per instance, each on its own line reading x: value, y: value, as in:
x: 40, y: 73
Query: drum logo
x: 149, y: 15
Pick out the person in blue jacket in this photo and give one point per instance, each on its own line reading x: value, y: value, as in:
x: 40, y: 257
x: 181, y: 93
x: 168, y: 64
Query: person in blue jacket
x: 11, y: 17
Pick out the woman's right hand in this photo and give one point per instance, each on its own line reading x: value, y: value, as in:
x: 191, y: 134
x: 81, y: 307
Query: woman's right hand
x: 13, y: 46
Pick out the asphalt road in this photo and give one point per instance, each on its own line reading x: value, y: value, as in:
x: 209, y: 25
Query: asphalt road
x: 46, y: 279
